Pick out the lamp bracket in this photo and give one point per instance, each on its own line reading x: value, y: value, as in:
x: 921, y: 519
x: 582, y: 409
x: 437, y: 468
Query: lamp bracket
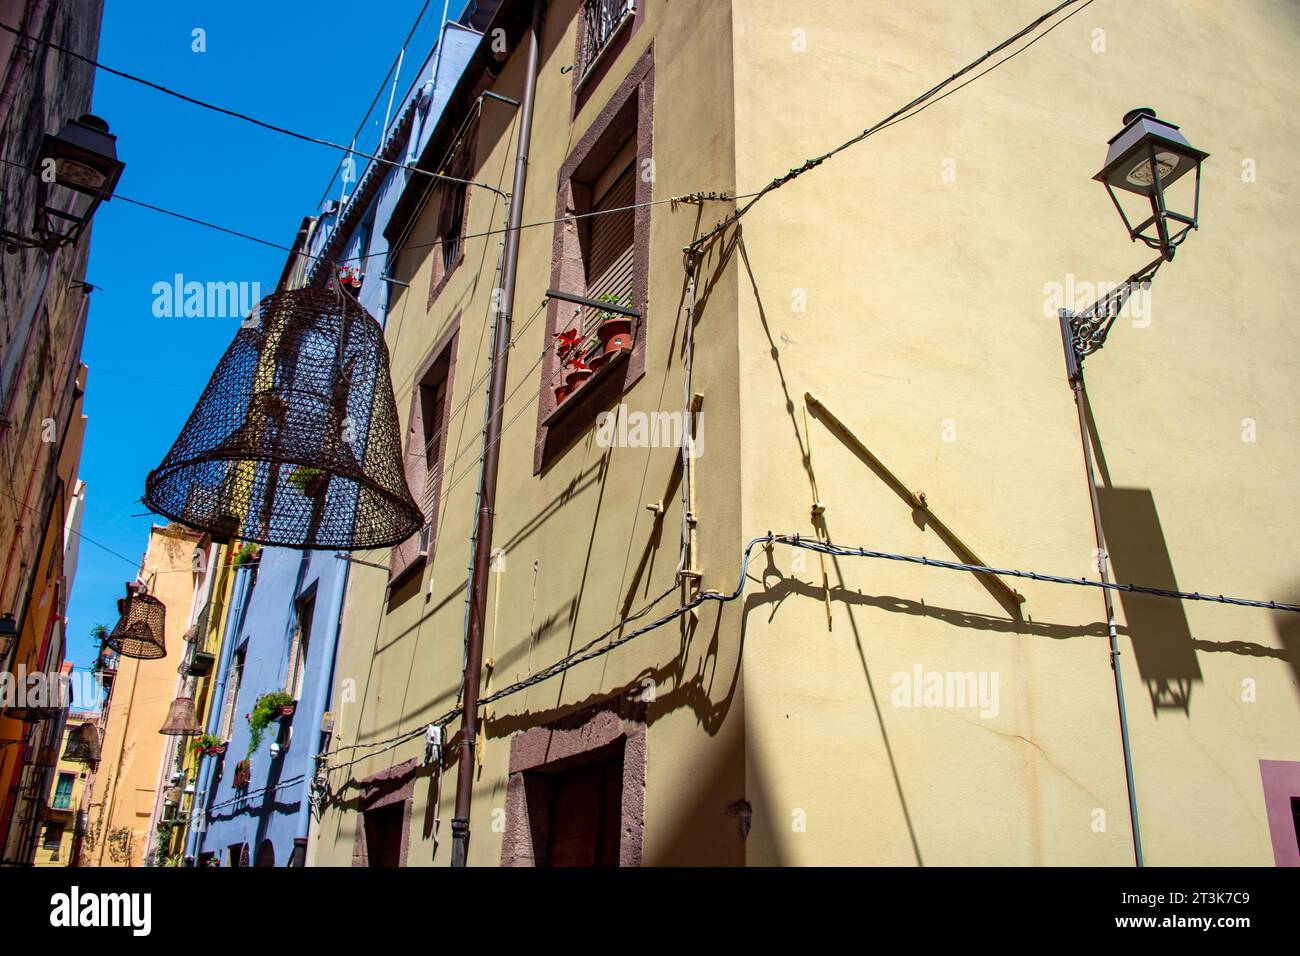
x: 1090, y: 326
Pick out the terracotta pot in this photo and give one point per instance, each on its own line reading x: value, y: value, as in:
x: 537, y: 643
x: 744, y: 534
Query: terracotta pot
x: 561, y: 393
x: 575, y: 378
x: 596, y: 361
x: 615, y: 335
x: 220, y: 748
x: 286, y: 710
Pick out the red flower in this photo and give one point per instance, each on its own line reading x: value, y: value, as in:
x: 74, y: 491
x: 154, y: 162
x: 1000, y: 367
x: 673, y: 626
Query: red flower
x: 567, y: 341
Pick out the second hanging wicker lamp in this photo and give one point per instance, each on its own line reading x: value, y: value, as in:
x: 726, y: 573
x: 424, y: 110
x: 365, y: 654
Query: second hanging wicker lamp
x: 295, y: 441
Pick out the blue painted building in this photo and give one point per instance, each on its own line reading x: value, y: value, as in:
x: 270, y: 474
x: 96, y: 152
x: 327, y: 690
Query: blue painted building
x: 286, y: 607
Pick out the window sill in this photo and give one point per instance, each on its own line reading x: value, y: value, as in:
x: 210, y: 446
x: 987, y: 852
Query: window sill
x: 586, y: 389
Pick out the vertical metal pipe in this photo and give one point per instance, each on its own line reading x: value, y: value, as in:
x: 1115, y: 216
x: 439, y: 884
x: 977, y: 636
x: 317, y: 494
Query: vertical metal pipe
x: 491, y: 460
x: 1075, y: 375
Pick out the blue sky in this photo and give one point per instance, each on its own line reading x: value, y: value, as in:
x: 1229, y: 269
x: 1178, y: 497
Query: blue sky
x: 311, y: 67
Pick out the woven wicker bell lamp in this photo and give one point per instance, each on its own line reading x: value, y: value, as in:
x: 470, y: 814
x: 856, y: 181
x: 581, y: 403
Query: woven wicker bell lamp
x: 83, y: 744
x: 295, y: 440
x: 140, y: 630
x: 180, y: 720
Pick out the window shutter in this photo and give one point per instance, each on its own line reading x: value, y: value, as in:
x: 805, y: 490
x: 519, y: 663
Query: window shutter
x: 610, y: 250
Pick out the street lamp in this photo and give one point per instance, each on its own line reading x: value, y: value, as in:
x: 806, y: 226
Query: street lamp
x: 1145, y: 157
x: 75, y: 171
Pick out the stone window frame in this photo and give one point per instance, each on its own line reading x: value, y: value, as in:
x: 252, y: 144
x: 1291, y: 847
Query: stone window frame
x: 636, y: 93
x: 396, y: 785
x: 583, y: 737
x: 1281, y: 782
x: 439, y: 272
x: 405, y: 556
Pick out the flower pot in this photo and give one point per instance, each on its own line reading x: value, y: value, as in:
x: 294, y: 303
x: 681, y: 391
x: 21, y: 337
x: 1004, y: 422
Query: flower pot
x: 576, y: 377
x: 286, y: 710
x: 243, y: 773
x: 561, y: 393
x: 615, y: 335
x: 595, y: 361
x: 220, y: 748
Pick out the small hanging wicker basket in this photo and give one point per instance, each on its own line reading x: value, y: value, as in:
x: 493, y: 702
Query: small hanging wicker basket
x: 139, y: 631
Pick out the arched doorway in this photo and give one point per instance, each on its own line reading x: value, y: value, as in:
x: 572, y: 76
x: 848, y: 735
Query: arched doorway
x: 265, y: 854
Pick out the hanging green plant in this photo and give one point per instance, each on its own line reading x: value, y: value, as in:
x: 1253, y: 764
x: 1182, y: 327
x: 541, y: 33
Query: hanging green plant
x: 247, y: 554
x: 306, y: 479
x: 269, y: 708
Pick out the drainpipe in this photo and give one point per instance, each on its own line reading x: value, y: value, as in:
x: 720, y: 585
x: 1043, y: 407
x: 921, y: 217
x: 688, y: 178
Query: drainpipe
x: 491, y: 459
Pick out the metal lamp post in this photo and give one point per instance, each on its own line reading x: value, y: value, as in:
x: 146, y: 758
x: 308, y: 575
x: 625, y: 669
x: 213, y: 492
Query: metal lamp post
x: 1146, y: 157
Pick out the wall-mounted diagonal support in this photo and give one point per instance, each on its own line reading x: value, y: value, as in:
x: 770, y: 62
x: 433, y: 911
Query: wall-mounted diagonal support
x: 918, y: 501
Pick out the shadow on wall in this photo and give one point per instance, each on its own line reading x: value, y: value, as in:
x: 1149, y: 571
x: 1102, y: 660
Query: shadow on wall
x: 1162, y: 639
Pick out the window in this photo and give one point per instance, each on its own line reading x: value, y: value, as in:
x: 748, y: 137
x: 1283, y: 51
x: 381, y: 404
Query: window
x: 304, y: 610
x: 237, y: 854
x: 601, y: 22
x: 426, y: 447
x: 232, y: 692
x: 384, y: 820
x: 451, y: 201
x: 384, y: 828
x: 53, y: 836
x: 63, y: 791
x: 606, y: 257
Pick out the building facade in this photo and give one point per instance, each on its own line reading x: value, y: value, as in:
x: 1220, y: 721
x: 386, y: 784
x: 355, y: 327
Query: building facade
x: 61, y: 832
x: 43, y: 308
x: 124, y: 792
x: 891, y: 311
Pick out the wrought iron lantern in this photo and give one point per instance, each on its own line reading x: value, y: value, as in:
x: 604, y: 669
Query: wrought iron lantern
x: 140, y: 630
x: 1145, y: 158
x: 83, y: 744
x: 295, y: 440
x: 180, y: 720
x: 75, y: 171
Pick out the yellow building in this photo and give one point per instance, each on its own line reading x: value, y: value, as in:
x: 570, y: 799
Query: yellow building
x: 124, y: 789
x: 881, y: 325
x: 178, y: 773
x: 59, y: 831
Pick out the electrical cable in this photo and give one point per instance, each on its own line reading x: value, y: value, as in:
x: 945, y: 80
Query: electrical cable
x: 589, y: 651
x: 234, y: 113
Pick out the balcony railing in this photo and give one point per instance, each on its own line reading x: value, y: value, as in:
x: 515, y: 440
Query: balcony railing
x: 601, y: 21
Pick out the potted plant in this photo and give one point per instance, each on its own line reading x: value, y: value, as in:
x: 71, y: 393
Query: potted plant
x: 350, y: 279
x: 615, y: 330
x: 578, y: 373
x: 310, y: 481
x: 269, y: 708
x: 243, y: 772
x: 207, y: 744
x: 247, y: 554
